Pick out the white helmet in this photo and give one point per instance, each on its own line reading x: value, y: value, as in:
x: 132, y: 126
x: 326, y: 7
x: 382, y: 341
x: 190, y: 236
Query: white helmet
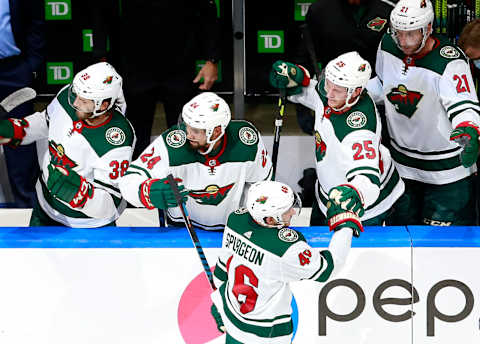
x: 271, y: 199
x: 207, y: 111
x: 98, y: 82
x: 411, y: 15
x: 349, y: 70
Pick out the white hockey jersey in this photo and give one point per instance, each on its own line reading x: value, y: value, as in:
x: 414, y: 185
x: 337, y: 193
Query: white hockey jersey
x: 253, y: 272
x: 101, y: 154
x: 348, y: 151
x: 216, y: 183
x: 425, y: 98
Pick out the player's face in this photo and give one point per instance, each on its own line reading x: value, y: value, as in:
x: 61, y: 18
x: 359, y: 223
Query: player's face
x: 336, y: 95
x: 409, y: 41
x: 83, y: 107
x: 287, y: 216
x: 196, y: 138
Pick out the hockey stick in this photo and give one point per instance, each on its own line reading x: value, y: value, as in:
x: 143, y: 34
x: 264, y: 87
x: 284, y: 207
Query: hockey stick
x: 191, y: 230
x: 278, y: 128
x: 444, y: 16
x: 15, y: 99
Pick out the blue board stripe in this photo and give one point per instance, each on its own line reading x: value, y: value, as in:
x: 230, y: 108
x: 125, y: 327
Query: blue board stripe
x: 133, y: 237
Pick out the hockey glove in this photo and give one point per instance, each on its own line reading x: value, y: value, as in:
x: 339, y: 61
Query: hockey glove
x: 466, y: 134
x: 12, y: 131
x: 218, y: 318
x: 290, y: 76
x: 157, y: 193
x: 68, y: 186
x: 344, y: 209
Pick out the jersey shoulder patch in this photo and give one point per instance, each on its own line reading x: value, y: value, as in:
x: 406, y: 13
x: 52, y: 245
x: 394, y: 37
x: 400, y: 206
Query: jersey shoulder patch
x: 242, y: 142
x: 276, y: 241
x: 179, y: 151
x: 288, y: 235
x: 362, y: 116
x: 442, y: 54
x: 118, y: 132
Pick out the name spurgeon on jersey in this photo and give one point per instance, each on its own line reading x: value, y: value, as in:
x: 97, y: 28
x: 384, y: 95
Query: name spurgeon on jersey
x: 242, y: 249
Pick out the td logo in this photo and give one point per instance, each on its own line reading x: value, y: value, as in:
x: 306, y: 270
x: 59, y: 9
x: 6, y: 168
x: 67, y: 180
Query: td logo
x: 58, y: 10
x: 270, y: 41
x: 301, y: 8
x: 59, y: 73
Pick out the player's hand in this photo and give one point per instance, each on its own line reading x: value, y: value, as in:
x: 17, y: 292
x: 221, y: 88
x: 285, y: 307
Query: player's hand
x: 209, y: 74
x: 466, y: 134
x: 344, y: 209
x: 218, y: 318
x: 347, y: 198
x: 290, y: 76
x: 12, y: 131
x: 157, y: 193
x: 68, y: 186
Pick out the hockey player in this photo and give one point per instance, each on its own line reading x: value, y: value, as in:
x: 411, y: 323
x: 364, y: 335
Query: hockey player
x: 432, y: 116
x: 90, y: 144
x: 355, y: 172
x: 214, y: 159
x: 260, y: 256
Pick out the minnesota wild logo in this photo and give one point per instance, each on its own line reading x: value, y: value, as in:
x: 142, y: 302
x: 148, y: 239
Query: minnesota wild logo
x: 261, y: 199
x: 58, y: 156
x: 404, y: 100
x: 377, y: 24
x: 215, y: 107
x: 108, y: 80
x: 320, y: 147
x: 211, y: 195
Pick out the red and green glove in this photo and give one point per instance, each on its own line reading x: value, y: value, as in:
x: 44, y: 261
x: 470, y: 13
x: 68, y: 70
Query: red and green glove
x: 12, y: 131
x: 68, y: 186
x: 466, y: 134
x: 344, y: 209
x: 290, y: 76
x: 157, y: 193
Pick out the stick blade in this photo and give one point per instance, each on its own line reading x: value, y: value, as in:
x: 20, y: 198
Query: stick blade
x: 17, y: 98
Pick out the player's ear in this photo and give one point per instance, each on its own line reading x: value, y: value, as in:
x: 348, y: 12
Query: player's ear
x: 216, y: 132
x: 357, y: 92
x: 270, y: 220
x: 105, y: 105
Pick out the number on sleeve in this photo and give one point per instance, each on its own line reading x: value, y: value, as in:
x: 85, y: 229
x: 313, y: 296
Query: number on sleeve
x: 462, y: 83
x: 118, y: 169
x: 148, y: 157
x: 367, y: 146
x: 304, y: 257
x: 245, y: 293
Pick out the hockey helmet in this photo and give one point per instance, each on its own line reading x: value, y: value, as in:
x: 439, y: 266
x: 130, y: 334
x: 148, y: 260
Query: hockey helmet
x: 411, y: 15
x: 350, y: 71
x: 207, y: 111
x: 98, y: 82
x: 271, y: 199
